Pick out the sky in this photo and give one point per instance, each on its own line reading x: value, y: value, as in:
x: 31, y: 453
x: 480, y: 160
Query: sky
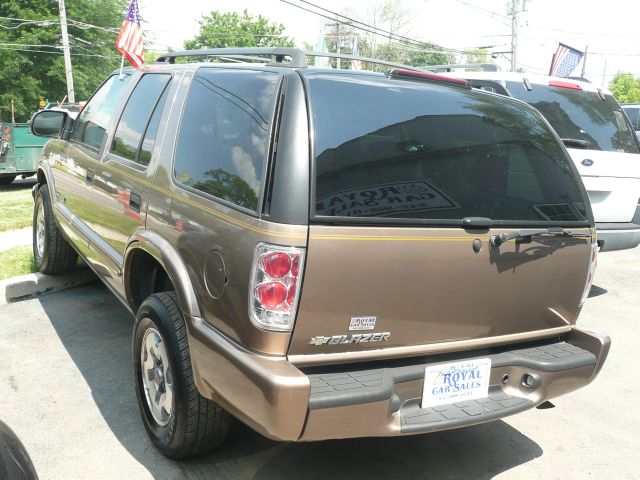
x: 610, y: 29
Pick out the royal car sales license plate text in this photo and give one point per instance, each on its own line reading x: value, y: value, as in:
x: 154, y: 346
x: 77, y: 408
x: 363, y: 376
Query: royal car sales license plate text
x: 456, y: 382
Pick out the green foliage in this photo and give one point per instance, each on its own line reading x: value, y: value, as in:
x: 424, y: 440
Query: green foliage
x: 17, y: 261
x: 626, y: 88
x: 476, y: 55
x: 229, y: 30
x: 28, y: 76
x: 16, y: 204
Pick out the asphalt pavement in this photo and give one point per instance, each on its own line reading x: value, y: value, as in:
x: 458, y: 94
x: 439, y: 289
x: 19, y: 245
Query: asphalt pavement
x: 66, y: 389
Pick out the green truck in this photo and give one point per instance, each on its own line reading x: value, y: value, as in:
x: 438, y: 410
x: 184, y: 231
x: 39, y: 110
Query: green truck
x: 20, y: 151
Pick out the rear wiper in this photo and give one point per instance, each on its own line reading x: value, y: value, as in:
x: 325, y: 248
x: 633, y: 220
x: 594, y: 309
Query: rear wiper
x: 575, y: 142
x: 499, y: 239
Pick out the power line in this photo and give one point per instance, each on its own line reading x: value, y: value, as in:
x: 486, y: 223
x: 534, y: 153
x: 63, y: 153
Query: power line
x: 372, y: 30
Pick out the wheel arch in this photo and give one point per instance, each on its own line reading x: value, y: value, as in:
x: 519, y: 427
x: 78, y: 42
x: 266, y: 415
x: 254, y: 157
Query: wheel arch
x: 145, y: 250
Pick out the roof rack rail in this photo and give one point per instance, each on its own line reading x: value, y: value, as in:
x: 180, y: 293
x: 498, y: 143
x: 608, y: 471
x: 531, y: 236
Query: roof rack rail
x: 484, y: 67
x: 298, y: 56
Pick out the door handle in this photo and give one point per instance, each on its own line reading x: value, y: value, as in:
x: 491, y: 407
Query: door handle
x: 89, y: 177
x: 135, y: 201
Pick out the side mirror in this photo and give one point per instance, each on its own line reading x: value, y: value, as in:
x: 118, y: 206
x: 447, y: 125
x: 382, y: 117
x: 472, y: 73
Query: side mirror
x: 48, y: 123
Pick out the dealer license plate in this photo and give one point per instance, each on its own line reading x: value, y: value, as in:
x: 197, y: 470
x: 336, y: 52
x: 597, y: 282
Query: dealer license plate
x: 456, y: 382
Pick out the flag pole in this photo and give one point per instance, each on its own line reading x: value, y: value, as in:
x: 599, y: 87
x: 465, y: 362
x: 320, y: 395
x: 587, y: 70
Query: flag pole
x: 121, y: 67
x: 553, y: 59
x: 584, y: 60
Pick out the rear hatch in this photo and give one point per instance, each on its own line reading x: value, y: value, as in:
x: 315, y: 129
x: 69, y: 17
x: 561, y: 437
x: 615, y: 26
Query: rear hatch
x: 599, y: 139
x: 399, y: 167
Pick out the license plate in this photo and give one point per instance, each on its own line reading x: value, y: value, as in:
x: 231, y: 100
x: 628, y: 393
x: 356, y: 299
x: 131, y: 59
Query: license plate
x: 456, y: 382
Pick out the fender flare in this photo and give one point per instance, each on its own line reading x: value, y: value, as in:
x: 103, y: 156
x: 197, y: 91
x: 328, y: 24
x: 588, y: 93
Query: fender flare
x: 169, y: 258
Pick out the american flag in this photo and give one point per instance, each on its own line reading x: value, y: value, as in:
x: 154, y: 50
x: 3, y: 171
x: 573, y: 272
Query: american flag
x: 129, y: 41
x: 565, y: 60
x: 356, y: 64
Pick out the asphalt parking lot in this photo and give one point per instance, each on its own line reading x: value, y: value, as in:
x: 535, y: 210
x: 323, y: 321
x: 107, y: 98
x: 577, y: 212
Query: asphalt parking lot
x: 66, y: 390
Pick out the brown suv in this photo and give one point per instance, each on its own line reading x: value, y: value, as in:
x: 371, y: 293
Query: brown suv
x: 323, y: 253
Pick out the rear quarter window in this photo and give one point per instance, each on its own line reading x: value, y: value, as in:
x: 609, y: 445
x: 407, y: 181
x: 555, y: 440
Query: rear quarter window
x: 224, y: 136
x: 387, y: 148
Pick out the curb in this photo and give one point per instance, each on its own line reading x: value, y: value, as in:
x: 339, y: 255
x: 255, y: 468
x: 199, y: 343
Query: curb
x: 23, y: 287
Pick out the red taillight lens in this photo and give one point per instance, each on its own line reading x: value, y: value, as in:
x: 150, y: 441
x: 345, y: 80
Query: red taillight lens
x: 291, y: 295
x: 7, y: 137
x: 274, y: 291
x: 7, y: 130
x: 276, y: 264
x: 271, y: 294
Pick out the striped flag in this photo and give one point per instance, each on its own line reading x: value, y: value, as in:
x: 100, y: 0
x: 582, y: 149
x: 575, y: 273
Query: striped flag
x: 129, y: 42
x: 564, y: 61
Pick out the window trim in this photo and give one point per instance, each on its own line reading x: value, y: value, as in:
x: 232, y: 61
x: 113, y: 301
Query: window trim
x: 110, y: 155
x: 88, y: 149
x: 257, y: 213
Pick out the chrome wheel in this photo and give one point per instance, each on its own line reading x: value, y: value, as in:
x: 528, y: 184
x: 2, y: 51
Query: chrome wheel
x: 40, y: 231
x: 157, y: 376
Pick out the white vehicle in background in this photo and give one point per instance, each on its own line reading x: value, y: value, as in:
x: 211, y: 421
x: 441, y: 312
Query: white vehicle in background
x: 598, y: 136
x: 633, y: 112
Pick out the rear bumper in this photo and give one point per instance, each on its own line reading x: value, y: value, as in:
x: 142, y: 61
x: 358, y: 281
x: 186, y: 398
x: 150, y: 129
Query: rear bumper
x: 382, y: 398
x: 617, y: 236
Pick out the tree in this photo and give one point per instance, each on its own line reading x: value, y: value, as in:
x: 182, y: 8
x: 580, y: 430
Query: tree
x: 476, y: 55
x: 31, y: 62
x: 228, y: 30
x: 626, y: 88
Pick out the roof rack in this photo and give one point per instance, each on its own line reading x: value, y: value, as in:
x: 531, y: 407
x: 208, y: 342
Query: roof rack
x: 298, y: 57
x: 484, y: 67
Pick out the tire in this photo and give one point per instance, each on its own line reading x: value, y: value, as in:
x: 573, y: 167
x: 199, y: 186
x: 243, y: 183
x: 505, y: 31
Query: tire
x: 194, y: 425
x: 7, y: 180
x: 52, y: 253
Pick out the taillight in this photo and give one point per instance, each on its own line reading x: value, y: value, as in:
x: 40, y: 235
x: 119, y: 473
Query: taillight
x: 593, y: 260
x: 274, y: 289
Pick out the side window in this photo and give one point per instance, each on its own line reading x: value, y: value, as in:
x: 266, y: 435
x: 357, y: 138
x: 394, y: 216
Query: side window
x: 224, y: 136
x: 90, y: 128
x: 141, y: 117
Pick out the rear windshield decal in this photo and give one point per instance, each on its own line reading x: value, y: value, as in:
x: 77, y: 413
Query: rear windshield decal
x: 385, y: 199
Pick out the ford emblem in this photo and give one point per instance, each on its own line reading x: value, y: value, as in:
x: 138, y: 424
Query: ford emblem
x: 587, y: 162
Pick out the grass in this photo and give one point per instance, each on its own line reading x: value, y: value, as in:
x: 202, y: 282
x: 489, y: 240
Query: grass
x: 16, y: 207
x: 16, y: 261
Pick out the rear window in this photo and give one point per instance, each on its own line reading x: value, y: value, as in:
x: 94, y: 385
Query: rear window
x: 634, y: 116
x: 399, y: 149
x: 581, y: 115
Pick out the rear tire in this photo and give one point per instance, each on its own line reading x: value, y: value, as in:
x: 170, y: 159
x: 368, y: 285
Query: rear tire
x: 52, y: 253
x: 188, y: 424
x: 7, y: 180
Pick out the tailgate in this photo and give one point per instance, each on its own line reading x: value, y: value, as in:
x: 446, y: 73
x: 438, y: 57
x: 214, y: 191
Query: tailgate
x: 428, y: 285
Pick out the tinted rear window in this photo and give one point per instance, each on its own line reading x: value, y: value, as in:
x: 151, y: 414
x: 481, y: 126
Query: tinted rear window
x: 581, y: 115
x: 634, y: 116
x: 411, y: 150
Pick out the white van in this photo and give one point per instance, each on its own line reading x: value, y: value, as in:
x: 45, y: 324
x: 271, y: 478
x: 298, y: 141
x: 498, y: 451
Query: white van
x: 599, y: 138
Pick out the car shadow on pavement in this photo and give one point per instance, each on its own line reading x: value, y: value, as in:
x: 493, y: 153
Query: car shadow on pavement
x: 95, y: 330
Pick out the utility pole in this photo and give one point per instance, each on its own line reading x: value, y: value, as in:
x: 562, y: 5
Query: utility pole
x: 515, y: 10
x: 514, y: 35
x: 584, y: 60
x: 67, y: 53
x: 13, y: 112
